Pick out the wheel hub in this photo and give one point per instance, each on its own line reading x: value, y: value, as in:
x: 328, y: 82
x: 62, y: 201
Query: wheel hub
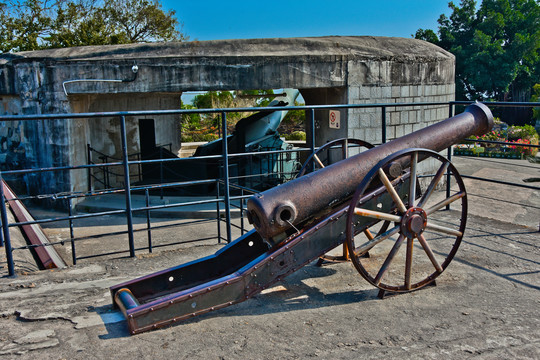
x: 413, y: 222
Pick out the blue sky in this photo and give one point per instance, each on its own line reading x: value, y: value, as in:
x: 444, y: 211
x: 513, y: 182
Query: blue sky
x: 214, y: 20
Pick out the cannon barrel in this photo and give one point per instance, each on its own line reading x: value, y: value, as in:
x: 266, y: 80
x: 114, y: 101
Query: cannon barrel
x: 274, y: 211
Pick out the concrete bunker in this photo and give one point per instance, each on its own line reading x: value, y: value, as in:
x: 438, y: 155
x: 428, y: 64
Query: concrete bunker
x: 326, y: 70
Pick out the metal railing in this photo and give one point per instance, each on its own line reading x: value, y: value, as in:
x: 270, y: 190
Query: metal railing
x: 496, y: 104
x: 224, y: 184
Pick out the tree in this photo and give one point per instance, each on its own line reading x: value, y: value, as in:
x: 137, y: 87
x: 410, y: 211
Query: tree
x: 536, y: 98
x: 497, y: 47
x: 204, y: 127
x: 41, y: 24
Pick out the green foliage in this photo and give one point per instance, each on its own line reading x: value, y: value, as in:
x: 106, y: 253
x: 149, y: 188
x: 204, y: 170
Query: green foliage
x: 536, y: 98
x: 521, y: 132
x: 295, y: 118
x: 41, y: 24
x: 516, y: 139
x: 296, y: 135
x: 426, y: 35
x: 195, y: 128
x: 497, y: 47
x: 204, y: 127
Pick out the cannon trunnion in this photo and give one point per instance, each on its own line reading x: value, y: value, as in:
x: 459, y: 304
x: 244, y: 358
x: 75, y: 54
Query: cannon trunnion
x: 380, y: 203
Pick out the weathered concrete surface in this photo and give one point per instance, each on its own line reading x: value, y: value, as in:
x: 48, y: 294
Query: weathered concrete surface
x: 499, y: 202
x: 485, y: 306
x: 23, y: 259
x: 327, y: 70
x: 225, y: 64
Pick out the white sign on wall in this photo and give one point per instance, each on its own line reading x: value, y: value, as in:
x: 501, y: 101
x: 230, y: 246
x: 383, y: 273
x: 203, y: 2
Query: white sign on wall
x: 334, y: 119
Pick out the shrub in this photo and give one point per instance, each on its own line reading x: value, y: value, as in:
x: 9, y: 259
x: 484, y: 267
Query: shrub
x: 296, y: 135
x: 521, y: 132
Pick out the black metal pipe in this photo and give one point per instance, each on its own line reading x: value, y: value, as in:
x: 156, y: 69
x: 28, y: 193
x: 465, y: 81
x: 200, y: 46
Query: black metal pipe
x: 275, y: 210
x: 493, y: 181
x: 148, y: 223
x: 5, y: 229
x: 71, y: 234
x: 449, y: 157
x: 383, y: 124
x: 218, y: 212
x: 127, y: 185
x: 226, y: 176
x: 503, y: 143
x: 73, y: 116
x: 89, y: 170
x: 312, y: 136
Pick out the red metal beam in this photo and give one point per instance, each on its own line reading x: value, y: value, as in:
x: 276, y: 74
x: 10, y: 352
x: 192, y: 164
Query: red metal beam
x: 47, y: 255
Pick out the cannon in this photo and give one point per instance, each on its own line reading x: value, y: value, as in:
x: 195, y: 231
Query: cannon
x: 257, y: 133
x: 386, y: 204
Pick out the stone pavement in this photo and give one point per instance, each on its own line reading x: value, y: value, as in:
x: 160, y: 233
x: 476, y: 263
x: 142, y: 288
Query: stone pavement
x: 485, y: 306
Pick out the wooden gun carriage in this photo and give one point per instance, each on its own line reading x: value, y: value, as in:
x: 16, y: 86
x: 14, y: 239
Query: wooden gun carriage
x: 383, y: 204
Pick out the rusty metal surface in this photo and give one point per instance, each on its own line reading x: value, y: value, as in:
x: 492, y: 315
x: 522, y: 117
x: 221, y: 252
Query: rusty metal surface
x: 316, y: 203
x: 47, y: 255
x: 170, y: 305
x: 411, y: 222
x: 276, y: 210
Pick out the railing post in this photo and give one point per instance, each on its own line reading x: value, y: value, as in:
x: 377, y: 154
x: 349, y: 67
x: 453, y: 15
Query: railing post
x: 106, y: 172
x: 383, y: 124
x: 218, y: 211
x: 72, y: 234
x: 127, y: 187
x: 5, y: 229
x: 161, y: 173
x: 449, y: 156
x: 242, y: 211
x: 226, y: 176
x: 148, y: 224
x: 89, y: 170
x: 312, y: 136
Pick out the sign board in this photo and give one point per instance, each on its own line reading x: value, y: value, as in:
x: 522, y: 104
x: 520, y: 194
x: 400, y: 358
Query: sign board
x: 334, y: 121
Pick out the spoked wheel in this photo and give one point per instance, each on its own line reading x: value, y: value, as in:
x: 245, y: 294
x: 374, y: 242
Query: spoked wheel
x: 423, y: 236
x: 326, y: 155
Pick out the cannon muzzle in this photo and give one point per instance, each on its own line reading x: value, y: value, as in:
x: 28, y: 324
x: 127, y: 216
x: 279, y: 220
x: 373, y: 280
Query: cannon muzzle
x: 274, y: 211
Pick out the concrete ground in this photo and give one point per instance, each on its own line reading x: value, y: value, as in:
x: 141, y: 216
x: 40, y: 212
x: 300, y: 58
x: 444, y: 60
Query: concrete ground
x: 485, y: 306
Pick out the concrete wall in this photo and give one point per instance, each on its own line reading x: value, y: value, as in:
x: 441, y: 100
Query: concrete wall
x: 398, y: 82
x: 12, y: 149
x: 327, y: 70
x: 103, y: 133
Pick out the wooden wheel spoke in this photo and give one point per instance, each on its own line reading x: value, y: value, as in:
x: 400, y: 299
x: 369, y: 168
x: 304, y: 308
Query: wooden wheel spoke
x: 368, y: 234
x: 412, y: 188
x: 389, y: 258
x: 316, y: 158
x: 395, y: 196
x: 443, y: 229
x: 429, y: 253
x: 377, y: 215
x: 361, y: 250
x: 445, y: 202
x: 407, y: 219
x: 433, y: 184
x: 408, y: 263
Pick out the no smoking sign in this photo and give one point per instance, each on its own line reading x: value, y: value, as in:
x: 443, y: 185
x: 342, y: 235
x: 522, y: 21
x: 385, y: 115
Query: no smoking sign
x: 334, y: 121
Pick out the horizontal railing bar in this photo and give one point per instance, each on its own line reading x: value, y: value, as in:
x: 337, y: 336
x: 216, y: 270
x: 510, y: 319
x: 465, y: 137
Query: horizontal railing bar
x: 210, y: 111
x: 144, y: 248
x: 502, y: 143
x: 499, y: 103
x: 501, y: 182
x: 151, y: 161
x: 97, y: 236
